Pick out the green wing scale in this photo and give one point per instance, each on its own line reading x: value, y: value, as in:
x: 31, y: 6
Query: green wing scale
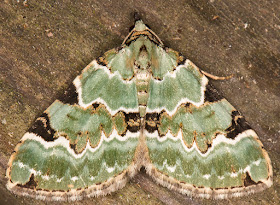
x: 141, y: 105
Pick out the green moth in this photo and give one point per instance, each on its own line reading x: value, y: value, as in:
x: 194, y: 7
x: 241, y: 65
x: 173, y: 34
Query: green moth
x: 141, y: 105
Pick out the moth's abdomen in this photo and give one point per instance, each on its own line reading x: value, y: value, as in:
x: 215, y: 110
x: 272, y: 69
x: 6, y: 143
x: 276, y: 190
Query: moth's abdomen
x: 142, y: 86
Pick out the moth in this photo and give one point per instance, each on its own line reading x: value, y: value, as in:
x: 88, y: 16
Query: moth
x: 141, y: 105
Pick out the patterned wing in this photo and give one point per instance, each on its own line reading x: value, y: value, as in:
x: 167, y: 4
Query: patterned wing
x: 198, y: 144
x: 84, y: 144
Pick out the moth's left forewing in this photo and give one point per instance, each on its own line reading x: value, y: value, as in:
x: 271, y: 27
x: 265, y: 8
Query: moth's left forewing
x: 200, y: 144
x: 84, y: 144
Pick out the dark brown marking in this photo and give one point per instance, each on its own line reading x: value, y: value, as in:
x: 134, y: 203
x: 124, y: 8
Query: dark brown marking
x: 211, y: 94
x: 31, y: 184
x: 73, y: 146
x: 143, y: 49
x: 181, y: 60
x: 194, y: 134
x: 69, y: 96
x: 72, y: 117
x: 248, y: 180
x: 238, y: 125
x: 101, y: 61
x: 220, y: 188
x: 142, y: 104
x: 142, y: 91
x: 209, y: 145
x: 232, y: 169
x: 43, y: 128
x: 133, y: 121
x: 95, y: 105
x: 151, y: 122
x: 55, y: 190
x: 187, y: 105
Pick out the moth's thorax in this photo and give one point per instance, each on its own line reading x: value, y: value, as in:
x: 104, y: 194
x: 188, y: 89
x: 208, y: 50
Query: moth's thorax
x: 143, y: 58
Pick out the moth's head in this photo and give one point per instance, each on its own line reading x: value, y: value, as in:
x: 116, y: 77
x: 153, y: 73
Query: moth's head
x: 140, y: 26
x: 140, y: 29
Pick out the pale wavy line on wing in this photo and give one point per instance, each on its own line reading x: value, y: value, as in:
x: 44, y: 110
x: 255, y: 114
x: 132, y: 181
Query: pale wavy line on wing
x: 62, y: 141
x: 221, y: 138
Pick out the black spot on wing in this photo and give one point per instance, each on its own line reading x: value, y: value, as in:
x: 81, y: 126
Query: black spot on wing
x: 31, y: 184
x: 95, y: 105
x: 73, y: 147
x: 151, y: 122
x: 42, y: 127
x: 133, y: 121
x: 238, y: 125
x: 69, y: 96
x: 248, y: 180
x: 211, y: 94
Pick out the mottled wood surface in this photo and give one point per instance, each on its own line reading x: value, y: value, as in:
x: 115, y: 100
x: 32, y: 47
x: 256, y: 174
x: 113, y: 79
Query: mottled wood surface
x: 45, y: 44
